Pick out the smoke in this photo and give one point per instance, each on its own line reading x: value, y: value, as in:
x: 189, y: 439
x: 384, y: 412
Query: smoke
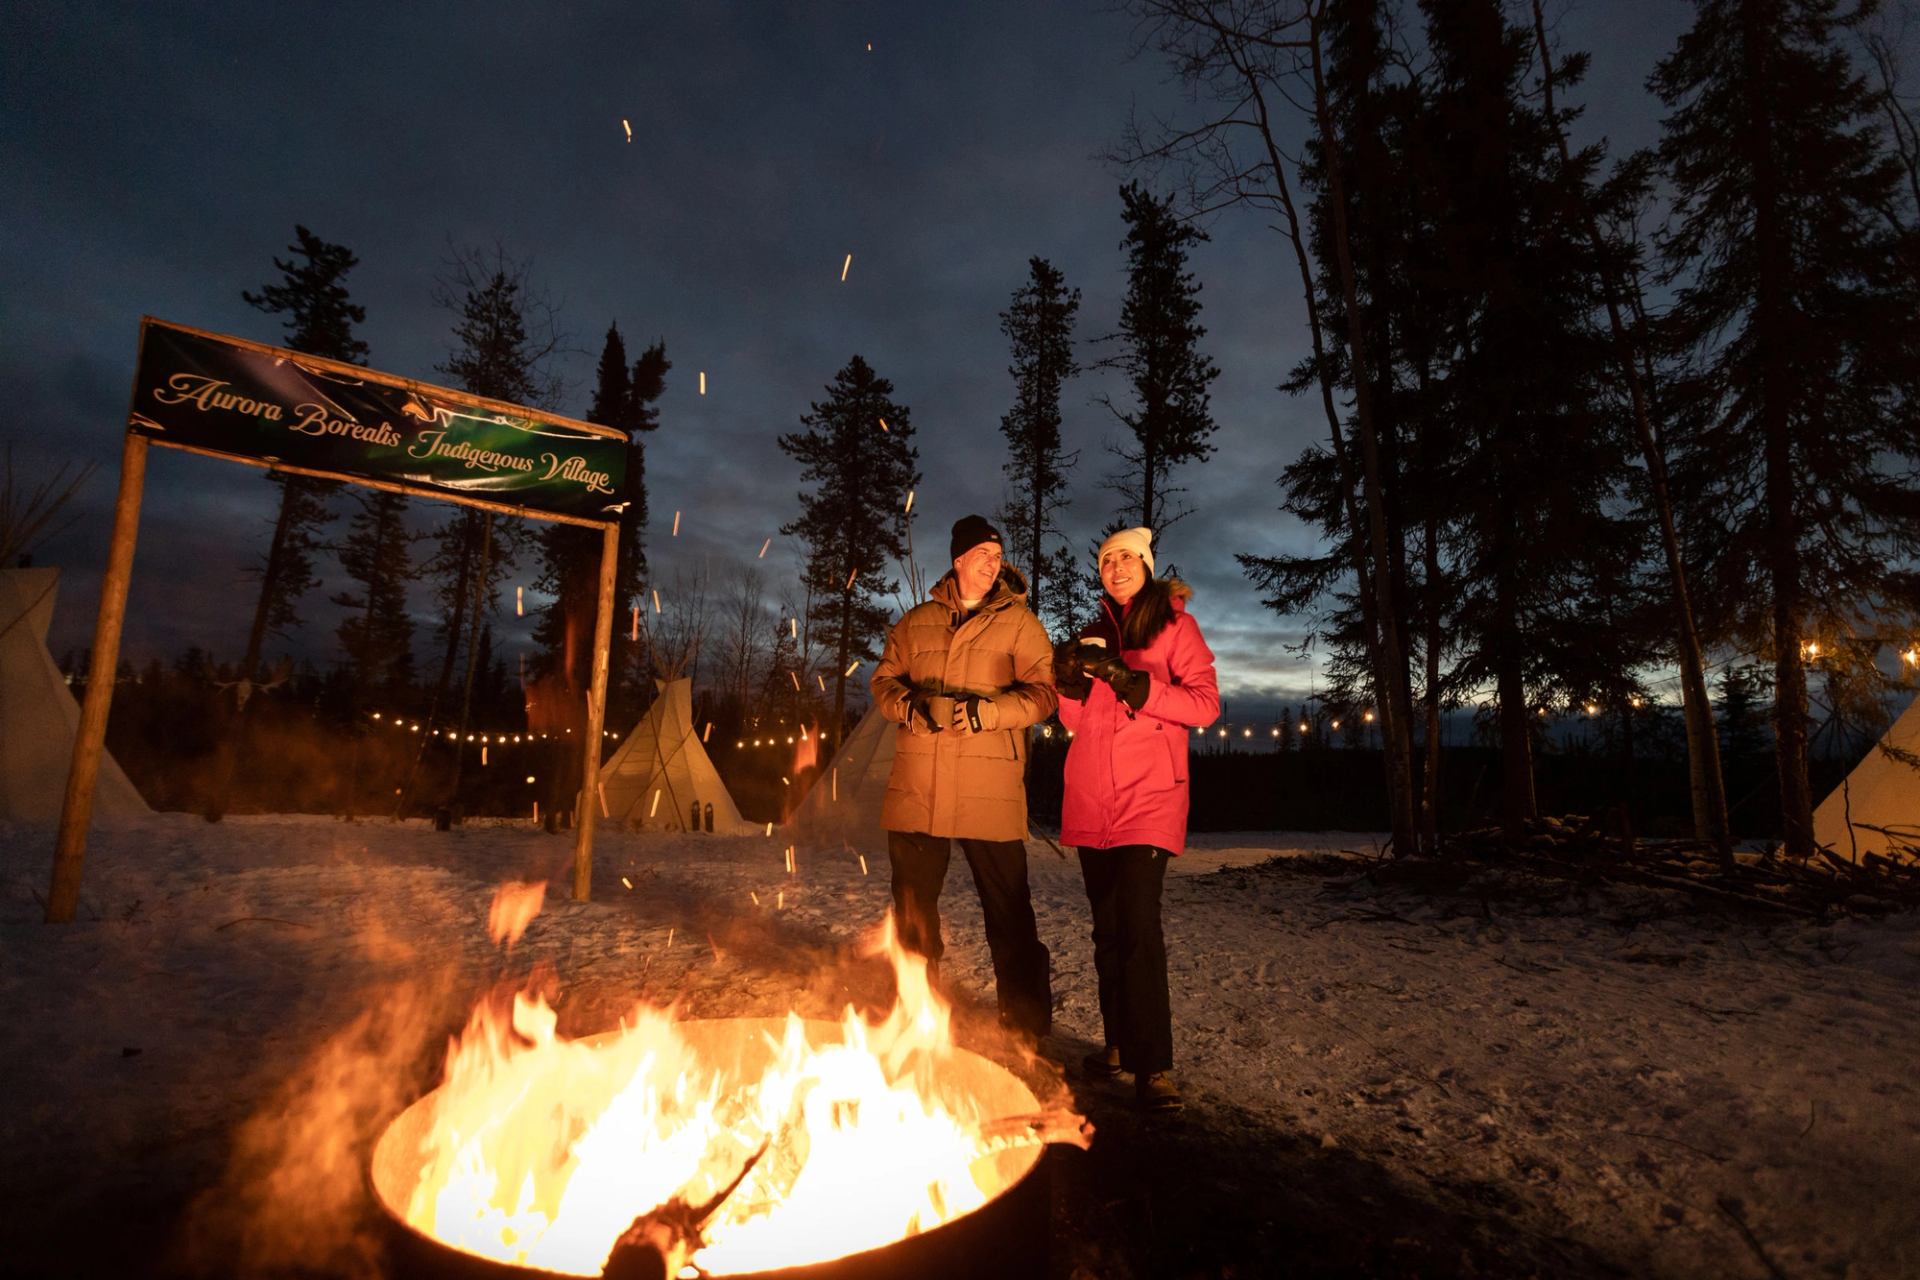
x: 294, y: 1196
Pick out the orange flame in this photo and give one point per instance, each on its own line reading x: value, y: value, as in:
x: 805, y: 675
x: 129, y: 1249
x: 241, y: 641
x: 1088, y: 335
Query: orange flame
x: 806, y: 1140
x: 515, y: 904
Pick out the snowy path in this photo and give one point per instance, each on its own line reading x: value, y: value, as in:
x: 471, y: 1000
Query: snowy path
x: 1383, y: 1080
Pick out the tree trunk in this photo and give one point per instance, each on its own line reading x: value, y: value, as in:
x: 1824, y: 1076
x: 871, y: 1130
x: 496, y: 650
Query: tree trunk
x: 236, y: 724
x: 1783, y: 532
x: 1435, y: 640
x: 1343, y: 465
x: 1394, y: 684
x: 477, y: 599
x: 840, y: 679
x: 1706, y: 778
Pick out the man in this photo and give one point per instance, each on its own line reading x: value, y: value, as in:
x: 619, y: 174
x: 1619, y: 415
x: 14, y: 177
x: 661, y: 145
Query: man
x: 964, y: 675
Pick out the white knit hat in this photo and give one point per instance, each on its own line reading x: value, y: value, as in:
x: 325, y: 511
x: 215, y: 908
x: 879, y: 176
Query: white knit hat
x: 1138, y: 540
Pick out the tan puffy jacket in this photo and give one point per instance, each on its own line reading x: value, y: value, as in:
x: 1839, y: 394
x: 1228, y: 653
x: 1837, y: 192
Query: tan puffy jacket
x: 965, y: 784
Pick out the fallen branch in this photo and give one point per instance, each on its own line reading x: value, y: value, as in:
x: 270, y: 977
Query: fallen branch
x: 1731, y: 1207
x: 291, y: 924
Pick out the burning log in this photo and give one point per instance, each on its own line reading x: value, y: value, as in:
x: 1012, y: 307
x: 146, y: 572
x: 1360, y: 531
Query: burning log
x: 661, y: 1241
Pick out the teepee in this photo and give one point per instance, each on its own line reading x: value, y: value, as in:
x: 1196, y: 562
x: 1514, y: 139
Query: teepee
x: 843, y: 805
x: 1876, y: 808
x: 38, y: 716
x: 661, y: 775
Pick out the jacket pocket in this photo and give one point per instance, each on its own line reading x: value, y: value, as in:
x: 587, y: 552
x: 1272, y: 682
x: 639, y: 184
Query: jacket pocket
x: 994, y: 744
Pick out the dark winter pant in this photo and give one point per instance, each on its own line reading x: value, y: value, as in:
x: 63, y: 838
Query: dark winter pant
x: 1021, y: 964
x: 1130, y: 953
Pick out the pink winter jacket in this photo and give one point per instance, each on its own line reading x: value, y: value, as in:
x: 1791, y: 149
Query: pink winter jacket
x: 1126, y: 774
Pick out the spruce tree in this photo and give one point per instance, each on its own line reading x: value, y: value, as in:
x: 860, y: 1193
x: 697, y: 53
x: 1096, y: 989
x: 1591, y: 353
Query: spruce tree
x: 570, y: 555
x: 319, y: 321
x: 1169, y: 419
x: 1540, y: 552
x: 1039, y: 326
x: 503, y: 336
x: 852, y: 516
x: 645, y: 386
x: 377, y: 636
x: 1797, y: 432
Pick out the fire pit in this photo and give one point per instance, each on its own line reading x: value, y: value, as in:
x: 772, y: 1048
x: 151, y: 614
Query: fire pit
x: 725, y: 1147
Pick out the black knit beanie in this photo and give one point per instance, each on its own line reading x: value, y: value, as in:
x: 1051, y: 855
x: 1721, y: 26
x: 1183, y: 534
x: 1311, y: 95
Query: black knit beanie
x: 968, y: 533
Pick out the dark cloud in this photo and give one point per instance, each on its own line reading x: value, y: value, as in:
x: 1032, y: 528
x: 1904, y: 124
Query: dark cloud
x: 159, y: 156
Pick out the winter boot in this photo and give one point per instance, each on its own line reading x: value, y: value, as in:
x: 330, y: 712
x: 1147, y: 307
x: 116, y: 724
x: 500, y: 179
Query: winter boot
x: 1156, y: 1091
x: 1104, y: 1065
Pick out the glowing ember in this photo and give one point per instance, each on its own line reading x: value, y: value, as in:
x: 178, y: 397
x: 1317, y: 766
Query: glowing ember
x: 801, y: 1141
x: 844, y: 267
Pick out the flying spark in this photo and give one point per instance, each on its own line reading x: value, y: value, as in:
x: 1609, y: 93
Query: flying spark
x: 884, y: 427
x: 854, y: 665
x: 863, y: 864
x: 656, y: 599
x: 655, y: 806
x: 676, y: 524
x: 909, y: 509
x: 843, y: 268
x: 629, y: 127
x: 703, y: 382
x: 763, y: 549
x: 519, y: 602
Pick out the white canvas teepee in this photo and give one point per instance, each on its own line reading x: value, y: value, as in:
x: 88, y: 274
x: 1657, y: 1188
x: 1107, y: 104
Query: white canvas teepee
x: 661, y: 773
x: 843, y: 805
x: 38, y: 716
x: 1879, y: 800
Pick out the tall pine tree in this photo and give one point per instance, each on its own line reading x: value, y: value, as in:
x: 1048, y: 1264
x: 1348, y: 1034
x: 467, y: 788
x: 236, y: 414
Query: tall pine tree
x: 503, y: 337
x: 1039, y: 327
x: 1797, y: 431
x: 852, y: 517
x: 1170, y: 420
x: 319, y: 322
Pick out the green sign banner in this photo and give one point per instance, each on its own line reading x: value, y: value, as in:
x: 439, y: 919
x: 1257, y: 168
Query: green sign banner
x: 224, y: 395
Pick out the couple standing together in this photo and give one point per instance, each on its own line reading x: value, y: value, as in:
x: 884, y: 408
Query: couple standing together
x: 964, y: 676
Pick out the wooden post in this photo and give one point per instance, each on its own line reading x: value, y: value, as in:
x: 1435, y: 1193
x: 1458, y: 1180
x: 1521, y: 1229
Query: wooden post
x: 588, y: 807
x: 70, y: 845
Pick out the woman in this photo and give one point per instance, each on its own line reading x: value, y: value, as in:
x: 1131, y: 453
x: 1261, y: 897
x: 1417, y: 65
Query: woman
x: 1131, y: 689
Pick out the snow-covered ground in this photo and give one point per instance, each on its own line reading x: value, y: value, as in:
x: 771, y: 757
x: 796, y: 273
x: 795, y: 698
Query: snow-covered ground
x: 1383, y: 1080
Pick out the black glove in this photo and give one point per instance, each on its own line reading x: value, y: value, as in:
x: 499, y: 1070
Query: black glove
x: 920, y: 704
x: 1129, y: 685
x: 1070, y: 677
